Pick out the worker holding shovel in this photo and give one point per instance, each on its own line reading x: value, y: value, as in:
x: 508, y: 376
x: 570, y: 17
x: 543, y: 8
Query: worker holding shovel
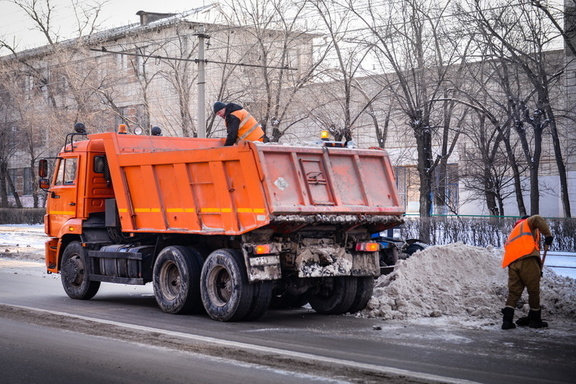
x: 522, y: 257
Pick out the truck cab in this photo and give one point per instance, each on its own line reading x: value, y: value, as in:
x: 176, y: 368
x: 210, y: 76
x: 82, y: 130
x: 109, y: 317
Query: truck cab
x: 76, y: 193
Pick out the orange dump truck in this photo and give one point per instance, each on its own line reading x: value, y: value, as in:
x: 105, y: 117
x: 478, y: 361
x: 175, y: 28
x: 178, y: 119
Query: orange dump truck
x: 226, y: 230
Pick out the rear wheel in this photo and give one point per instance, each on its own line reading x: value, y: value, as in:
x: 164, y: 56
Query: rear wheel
x: 335, y: 296
x: 74, y: 273
x: 226, y: 293
x: 285, y: 300
x: 176, y: 280
x: 364, y: 290
x: 260, y: 300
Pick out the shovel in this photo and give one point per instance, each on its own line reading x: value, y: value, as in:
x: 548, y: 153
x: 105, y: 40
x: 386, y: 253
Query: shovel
x: 543, y: 260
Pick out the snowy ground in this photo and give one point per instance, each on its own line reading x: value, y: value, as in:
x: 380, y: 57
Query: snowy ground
x: 458, y: 280
x: 22, y: 241
x: 453, y: 283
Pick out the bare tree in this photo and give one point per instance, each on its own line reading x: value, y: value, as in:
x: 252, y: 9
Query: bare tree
x: 520, y: 37
x: 412, y: 42
x: 280, y: 46
x: 347, y: 52
x: 45, y: 96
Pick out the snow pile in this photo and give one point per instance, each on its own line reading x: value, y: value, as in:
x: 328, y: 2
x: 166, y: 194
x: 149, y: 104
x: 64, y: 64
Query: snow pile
x: 460, y: 280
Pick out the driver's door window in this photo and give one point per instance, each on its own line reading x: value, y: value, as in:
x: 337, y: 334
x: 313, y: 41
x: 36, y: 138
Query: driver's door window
x: 66, y: 172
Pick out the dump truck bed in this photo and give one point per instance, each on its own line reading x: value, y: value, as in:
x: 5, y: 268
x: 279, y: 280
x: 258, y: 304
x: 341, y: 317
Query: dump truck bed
x: 188, y: 185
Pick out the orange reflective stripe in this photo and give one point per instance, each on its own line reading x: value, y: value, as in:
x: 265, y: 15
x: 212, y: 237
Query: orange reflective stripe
x: 521, y: 233
x: 249, y: 129
x: 245, y: 119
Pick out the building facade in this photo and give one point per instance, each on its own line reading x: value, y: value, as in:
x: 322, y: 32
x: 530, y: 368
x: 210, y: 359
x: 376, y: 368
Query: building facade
x: 146, y: 74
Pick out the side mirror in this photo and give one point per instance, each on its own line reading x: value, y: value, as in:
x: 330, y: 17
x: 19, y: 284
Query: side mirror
x: 43, y: 168
x: 44, y: 184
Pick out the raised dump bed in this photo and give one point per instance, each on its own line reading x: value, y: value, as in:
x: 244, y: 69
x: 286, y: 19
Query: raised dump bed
x: 198, y: 186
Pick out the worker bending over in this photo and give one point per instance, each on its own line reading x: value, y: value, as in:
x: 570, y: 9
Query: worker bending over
x: 240, y: 125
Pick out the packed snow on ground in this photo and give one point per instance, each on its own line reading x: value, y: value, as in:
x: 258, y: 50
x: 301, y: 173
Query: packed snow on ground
x: 19, y: 241
x: 454, y: 281
x: 459, y: 280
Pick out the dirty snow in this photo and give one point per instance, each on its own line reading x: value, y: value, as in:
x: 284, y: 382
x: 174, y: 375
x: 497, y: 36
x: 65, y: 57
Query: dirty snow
x: 454, y: 281
x: 459, y: 280
x: 22, y: 241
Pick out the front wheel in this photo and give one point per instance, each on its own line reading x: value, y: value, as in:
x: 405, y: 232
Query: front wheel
x: 74, y: 273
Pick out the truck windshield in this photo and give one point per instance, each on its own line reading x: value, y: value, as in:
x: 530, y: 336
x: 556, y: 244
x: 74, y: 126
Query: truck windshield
x: 66, y: 172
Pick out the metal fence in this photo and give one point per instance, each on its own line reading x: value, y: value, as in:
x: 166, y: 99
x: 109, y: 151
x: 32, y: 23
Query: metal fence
x: 22, y: 215
x: 479, y: 231
x: 485, y: 231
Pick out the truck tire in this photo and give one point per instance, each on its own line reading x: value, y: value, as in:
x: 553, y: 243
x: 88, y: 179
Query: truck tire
x: 364, y: 290
x: 74, y: 275
x: 226, y: 293
x: 260, y: 300
x: 287, y: 300
x: 335, y: 296
x: 176, y: 280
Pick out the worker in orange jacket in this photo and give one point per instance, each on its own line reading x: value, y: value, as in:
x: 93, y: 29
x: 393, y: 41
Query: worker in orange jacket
x: 240, y: 125
x: 522, y: 257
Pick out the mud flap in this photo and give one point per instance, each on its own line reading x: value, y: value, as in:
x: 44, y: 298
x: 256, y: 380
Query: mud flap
x: 261, y: 267
x: 51, y: 255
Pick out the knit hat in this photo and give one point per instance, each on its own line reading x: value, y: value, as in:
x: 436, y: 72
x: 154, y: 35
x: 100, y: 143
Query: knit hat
x: 521, y: 220
x: 218, y: 106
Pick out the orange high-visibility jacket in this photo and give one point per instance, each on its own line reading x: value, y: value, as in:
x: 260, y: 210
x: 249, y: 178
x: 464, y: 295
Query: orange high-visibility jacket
x: 521, y: 242
x: 249, y: 129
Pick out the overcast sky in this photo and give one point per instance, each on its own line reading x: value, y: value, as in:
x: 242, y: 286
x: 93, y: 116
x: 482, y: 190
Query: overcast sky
x: 15, y: 24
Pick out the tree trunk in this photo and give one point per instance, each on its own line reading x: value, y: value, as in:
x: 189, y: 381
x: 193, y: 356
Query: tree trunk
x: 564, y: 192
x: 13, y: 189
x: 515, y: 174
x: 3, y: 186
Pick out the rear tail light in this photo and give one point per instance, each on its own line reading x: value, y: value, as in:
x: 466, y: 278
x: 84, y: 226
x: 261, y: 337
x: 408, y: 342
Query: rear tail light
x: 263, y: 249
x: 367, y: 247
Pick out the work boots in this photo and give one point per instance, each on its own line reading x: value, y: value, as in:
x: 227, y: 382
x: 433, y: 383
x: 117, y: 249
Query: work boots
x: 536, y: 319
x: 533, y: 320
x: 508, y: 318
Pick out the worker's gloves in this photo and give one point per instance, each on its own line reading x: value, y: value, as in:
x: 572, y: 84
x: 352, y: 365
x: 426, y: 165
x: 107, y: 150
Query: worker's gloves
x: 548, y: 240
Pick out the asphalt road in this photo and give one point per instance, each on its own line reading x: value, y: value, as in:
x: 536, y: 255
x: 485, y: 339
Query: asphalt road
x: 122, y: 336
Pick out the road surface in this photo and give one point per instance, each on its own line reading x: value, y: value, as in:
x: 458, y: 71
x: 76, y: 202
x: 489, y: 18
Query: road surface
x: 122, y: 336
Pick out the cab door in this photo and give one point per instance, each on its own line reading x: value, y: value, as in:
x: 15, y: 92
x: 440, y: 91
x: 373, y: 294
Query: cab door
x: 62, y: 201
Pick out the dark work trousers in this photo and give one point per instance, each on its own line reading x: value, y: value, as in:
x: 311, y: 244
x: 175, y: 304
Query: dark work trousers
x: 524, y: 273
